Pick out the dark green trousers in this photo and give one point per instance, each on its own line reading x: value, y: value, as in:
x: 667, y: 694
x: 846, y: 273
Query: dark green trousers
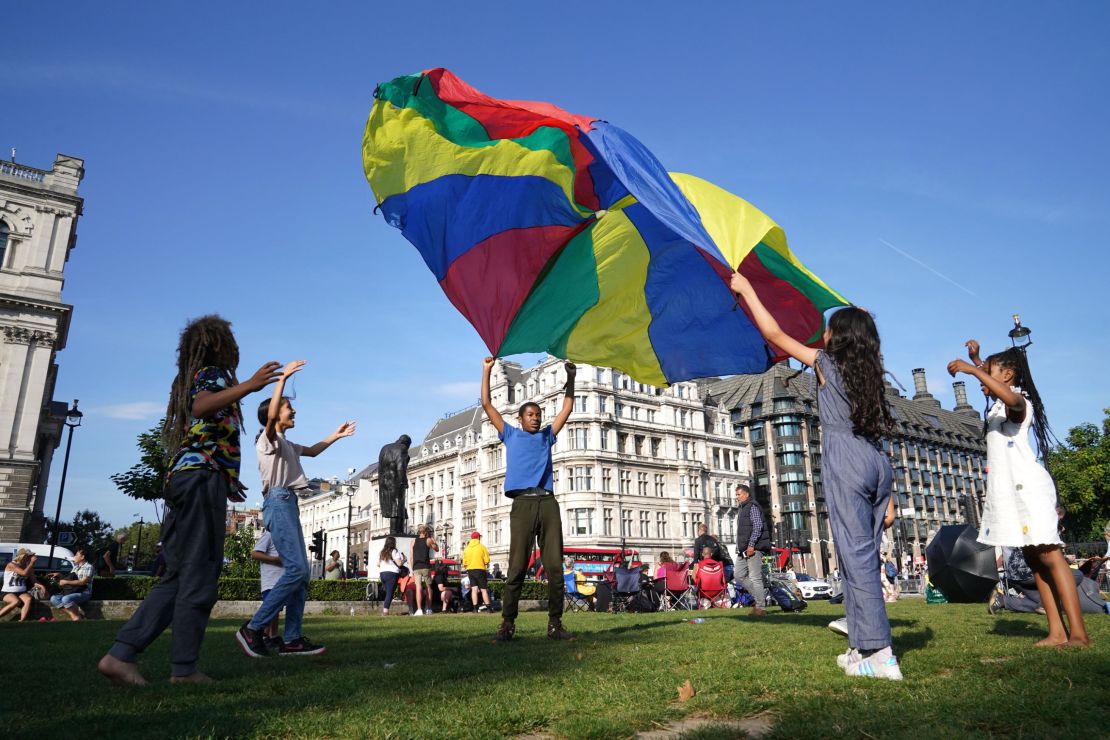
x: 534, y: 518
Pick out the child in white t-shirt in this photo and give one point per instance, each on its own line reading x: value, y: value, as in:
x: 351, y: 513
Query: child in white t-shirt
x: 270, y: 568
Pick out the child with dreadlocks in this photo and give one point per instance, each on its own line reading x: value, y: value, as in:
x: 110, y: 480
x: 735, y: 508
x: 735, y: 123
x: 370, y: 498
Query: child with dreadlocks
x: 1020, y: 508
x: 202, y: 426
x: 857, y: 475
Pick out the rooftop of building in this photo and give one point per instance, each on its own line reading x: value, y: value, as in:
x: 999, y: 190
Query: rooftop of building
x: 921, y: 419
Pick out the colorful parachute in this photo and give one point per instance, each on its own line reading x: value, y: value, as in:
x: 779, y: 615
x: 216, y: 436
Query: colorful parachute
x: 561, y: 233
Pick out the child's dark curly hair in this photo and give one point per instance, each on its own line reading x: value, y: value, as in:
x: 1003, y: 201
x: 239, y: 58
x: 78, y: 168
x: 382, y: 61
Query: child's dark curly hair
x: 854, y: 347
x: 206, y: 341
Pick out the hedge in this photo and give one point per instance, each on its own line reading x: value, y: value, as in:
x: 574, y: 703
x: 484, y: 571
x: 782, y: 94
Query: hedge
x: 247, y: 589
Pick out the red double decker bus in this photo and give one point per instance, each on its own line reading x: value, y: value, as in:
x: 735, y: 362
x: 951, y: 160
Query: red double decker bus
x: 595, y: 562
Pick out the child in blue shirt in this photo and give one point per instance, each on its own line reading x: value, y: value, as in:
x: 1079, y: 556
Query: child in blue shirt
x: 535, y: 513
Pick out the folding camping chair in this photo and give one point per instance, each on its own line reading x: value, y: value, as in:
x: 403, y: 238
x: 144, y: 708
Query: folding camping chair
x: 676, y: 586
x: 626, y: 588
x: 573, y: 600
x: 710, y: 585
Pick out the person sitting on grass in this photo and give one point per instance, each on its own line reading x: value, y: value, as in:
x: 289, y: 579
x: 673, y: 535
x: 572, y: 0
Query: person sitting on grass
x: 535, y: 512
x: 440, y: 579
x: 16, y: 575
x: 76, y: 588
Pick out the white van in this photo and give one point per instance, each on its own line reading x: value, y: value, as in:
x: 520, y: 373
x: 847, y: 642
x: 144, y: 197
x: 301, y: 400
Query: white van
x: 62, y: 562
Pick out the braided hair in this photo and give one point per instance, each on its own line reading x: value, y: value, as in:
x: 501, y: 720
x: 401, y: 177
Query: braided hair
x: 1015, y: 360
x: 855, y: 349
x: 205, y: 341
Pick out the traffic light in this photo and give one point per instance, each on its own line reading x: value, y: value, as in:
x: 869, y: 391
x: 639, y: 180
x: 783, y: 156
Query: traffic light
x: 317, y: 546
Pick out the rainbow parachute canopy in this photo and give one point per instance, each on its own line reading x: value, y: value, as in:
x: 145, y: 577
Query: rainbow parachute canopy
x: 558, y: 233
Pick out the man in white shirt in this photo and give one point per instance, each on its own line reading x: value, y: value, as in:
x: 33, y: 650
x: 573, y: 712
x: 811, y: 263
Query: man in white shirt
x: 76, y: 588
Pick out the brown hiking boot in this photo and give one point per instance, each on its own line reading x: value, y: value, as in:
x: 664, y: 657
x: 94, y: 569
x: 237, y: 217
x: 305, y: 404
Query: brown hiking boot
x: 555, y: 631
x: 506, y: 631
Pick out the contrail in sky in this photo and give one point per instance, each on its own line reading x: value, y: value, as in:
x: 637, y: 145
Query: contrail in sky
x: 938, y: 273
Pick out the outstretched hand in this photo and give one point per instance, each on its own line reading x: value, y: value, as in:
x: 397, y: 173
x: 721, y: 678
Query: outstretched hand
x: 264, y: 375
x: 571, y: 368
x: 960, y: 366
x: 738, y: 283
x: 973, y: 352
x: 346, y: 429
x: 292, y: 368
x: 488, y: 363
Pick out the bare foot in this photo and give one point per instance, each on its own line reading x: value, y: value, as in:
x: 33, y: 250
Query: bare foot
x: 197, y: 677
x: 1077, y: 642
x: 1051, y: 641
x: 125, y: 674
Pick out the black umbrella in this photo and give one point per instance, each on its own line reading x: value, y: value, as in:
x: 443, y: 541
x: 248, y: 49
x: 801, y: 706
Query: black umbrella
x: 961, y: 567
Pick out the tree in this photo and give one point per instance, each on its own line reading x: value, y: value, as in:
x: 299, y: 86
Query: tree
x: 144, y: 546
x: 88, y: 529
x: 1081, y: 467
x: 237, y: 551
x: 147, y: 478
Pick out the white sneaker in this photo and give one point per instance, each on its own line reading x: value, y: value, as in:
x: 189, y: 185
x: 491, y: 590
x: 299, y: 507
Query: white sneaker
x: 839, y: 626
x: 427, y: 611
x: 850, y: 656
x: 876, y: 667
x: 418, y: 613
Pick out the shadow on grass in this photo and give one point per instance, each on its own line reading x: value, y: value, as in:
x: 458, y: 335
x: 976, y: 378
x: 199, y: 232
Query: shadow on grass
x: 1018, y: 628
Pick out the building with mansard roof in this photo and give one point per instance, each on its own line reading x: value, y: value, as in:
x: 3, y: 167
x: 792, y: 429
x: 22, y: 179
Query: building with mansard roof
x: 938, y: 457
x: 38, y: 222
x: 635, y: 463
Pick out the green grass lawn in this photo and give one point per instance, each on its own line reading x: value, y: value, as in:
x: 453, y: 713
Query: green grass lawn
x: 967, y: 673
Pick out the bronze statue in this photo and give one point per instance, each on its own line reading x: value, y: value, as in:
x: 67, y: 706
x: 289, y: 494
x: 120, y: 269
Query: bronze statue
x: 393, y: 465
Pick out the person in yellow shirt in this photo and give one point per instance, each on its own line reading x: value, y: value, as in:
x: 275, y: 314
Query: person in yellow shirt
x: 476, y: 562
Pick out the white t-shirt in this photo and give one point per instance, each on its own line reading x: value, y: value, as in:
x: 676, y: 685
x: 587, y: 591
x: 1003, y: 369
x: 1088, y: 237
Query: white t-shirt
x: 391, y: 565
x: 279, y: 463
x: 269, y: 573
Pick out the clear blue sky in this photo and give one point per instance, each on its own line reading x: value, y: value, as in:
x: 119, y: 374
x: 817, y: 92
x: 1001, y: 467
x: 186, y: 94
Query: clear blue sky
x: 221, y: 144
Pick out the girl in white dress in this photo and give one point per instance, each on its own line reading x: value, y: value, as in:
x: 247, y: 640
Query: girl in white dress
x: 1020, y: 509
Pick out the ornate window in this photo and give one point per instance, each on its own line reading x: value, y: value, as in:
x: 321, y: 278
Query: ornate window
x: 4, y: 231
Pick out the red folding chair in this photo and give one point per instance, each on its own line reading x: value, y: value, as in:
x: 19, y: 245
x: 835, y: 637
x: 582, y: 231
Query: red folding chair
x: 676, y: 586
x: 710, y: 585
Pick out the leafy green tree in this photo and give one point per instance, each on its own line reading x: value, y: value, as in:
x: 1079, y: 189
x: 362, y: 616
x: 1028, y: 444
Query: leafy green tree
x: 146, y: 479
x: 1081, y: 467
x: 237, y: 550
x: 144, y: 546
x: 88, y: 529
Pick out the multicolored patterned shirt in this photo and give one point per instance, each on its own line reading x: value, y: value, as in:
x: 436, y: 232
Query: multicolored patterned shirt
x: 213, y: 443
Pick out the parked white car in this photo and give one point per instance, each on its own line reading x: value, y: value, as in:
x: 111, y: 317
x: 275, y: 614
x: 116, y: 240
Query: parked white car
x: 813, y: 588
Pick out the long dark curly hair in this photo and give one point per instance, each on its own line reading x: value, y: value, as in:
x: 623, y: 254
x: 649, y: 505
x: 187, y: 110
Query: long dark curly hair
x: 855, y: 349
x: 1014, y: 359
x: 206, y: 341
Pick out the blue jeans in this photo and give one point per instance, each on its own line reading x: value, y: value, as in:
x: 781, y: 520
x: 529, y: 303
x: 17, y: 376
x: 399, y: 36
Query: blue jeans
x: 282, y: 519
x: 70, y: 600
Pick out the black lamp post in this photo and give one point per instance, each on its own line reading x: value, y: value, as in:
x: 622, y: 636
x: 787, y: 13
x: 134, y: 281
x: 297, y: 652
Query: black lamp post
x: 139, y: 543
x: 72, y: 420
x: 1020, y: 335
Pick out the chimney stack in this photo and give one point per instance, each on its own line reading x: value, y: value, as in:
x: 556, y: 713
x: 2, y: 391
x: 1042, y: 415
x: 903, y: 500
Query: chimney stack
x: 962, y: 406
x: 921, y: 388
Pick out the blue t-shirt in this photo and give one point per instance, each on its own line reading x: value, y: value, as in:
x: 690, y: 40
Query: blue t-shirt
x: 527, y: 458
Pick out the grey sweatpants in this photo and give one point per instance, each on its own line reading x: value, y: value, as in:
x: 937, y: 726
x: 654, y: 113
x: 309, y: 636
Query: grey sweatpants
x: 748, y: 572
x: 193, y: 543
x: 857, y: 480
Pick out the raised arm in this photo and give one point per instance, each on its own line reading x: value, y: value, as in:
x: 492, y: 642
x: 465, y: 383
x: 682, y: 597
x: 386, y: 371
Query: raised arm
x: 568, y: 399
x: 346, y: 429
x: 209, y: 402
x: 1015, y: 402
x: 767, y: 325
x: 492, y: 413
x: 264, y: 558
x: 274, y: 410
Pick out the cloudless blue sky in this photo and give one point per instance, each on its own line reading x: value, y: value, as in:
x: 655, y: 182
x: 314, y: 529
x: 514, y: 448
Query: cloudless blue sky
x: 222, y: 149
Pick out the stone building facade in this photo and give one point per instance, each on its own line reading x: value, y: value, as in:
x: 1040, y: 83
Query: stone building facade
x: 938, y: 457
x: 38, y: 221
x: 634, y: 462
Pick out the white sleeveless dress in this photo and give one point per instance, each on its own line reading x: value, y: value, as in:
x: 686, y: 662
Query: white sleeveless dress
x: 1020, y: 509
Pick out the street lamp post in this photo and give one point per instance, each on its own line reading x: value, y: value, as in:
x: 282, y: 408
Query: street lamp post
x: 139, y: 542
x: 72, y: 420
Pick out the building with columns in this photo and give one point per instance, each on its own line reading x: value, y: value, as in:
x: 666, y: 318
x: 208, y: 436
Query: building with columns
x: 938, y: 456
x: 38, y: 228
x: 634, y: 462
